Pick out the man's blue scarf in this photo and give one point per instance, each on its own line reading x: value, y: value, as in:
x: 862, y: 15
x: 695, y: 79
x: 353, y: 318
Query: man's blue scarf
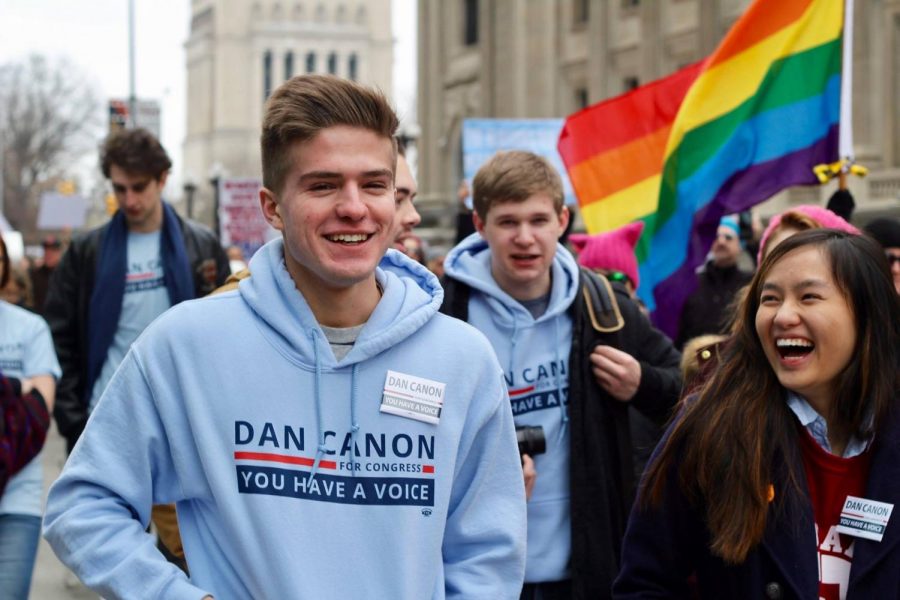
x: 109, y: 284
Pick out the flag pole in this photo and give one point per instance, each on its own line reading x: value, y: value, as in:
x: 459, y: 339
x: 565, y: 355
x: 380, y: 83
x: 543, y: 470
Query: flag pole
x: 845, y: 131
x: 846, y: 163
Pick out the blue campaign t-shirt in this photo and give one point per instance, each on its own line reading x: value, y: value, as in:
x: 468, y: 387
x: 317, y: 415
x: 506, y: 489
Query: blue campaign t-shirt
x: 26, y: 350
x: 146, y: 297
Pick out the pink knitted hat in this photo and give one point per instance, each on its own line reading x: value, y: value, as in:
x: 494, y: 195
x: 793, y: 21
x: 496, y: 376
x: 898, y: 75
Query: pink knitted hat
x: 824, y: 217
x: 610, y: 251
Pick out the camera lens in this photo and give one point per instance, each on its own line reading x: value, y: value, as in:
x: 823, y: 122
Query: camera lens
x: 531, y: 440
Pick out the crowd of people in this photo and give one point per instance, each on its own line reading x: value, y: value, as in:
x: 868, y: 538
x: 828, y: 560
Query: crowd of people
x: 347, y: 415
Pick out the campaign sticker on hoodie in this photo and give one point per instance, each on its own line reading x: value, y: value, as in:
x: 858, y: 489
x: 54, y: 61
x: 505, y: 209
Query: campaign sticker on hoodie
x: 413, y: 397
x: 864, y: 518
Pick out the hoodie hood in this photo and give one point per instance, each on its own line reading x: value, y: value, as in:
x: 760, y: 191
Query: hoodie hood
x: 470, y: 263
x: 412, y: 295
x: 405, y: 305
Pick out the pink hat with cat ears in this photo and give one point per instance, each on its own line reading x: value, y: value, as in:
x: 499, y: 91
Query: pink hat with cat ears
x: 610, y: 251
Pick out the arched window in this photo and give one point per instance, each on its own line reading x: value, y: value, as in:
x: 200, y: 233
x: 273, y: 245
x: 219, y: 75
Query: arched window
x: 332, y: 63
x: 581, y: 12
x: 311, y: 62
x: 267, y: 74
x: 470, y: 22
x: 352, y: 67
x: 361, y: 15
x: 320, y: 13
x: 288, y: 65
x: 340, y: 15
x: 297, y: 12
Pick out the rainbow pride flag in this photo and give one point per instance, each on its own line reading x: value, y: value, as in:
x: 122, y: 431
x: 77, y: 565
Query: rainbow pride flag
x: 763, y: 110
x: 614, y: 150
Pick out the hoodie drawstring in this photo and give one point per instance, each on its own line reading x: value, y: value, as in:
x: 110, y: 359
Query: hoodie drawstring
x: 354, y: 425
x: 321, y: 449
x: 513, y: 340
x: 564, y: 413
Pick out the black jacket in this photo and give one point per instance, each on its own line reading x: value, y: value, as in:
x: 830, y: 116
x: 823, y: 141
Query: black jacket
x: 66, y: 311
x: 707, y: 309
x: 602, y: 478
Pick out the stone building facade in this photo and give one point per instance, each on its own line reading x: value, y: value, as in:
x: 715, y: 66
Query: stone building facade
x: 239, y: 51
x: 549, y: 58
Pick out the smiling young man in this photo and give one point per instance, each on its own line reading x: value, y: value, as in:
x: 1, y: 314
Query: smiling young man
x: 324, y: 432
x: 514, y: 282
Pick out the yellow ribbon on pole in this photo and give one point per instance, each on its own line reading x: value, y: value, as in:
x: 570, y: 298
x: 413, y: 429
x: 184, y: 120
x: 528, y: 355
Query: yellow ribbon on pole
x: 827, y: 172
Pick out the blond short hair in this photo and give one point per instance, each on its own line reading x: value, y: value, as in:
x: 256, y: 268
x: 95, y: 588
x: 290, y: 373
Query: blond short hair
x: 515, y: 176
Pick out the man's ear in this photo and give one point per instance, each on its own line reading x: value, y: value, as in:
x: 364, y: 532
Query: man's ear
x: 270, y: 209
x: 479, y: 224
x: 162, y: 179
x: 564, y: 217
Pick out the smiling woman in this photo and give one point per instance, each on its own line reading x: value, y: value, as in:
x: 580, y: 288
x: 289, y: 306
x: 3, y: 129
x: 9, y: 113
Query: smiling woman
x: 795, y: 422
x: 808, y: 331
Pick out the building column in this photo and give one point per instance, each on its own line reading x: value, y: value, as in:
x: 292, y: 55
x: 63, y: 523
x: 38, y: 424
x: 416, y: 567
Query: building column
x: 598, y: 51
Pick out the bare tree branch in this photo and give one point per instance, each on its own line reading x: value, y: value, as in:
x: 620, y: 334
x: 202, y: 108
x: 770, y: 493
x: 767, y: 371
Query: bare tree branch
x: 49, y: 117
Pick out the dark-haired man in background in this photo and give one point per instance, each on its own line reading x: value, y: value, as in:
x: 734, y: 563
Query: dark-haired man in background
x: 115, y: 279
x: 886, y: 231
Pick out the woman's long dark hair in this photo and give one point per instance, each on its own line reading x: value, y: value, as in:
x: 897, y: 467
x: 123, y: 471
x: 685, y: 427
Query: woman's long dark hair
x: 4, y: 264
x: 724, y: 441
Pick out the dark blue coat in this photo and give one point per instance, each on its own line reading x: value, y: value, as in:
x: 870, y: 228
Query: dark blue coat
x: 663, y: 546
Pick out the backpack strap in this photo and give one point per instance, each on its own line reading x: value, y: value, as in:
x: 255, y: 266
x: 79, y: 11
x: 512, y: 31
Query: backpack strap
x: 600, y: 301
x: 456, y: 298
x: 232, y: 282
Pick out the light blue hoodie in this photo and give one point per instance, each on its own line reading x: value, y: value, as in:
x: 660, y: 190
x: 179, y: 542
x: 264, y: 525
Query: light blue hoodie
x: 226, y: 405
x: 26, y: 350
x: 535, y: 356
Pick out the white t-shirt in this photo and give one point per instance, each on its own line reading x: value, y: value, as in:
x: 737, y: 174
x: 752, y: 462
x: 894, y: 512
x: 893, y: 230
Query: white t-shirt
x: 146, y: 297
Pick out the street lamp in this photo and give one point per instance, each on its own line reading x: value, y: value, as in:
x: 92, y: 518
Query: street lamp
x: 409, y: 137
x: 216, y: 173
x: 132, y: 97
x: 190, y: 188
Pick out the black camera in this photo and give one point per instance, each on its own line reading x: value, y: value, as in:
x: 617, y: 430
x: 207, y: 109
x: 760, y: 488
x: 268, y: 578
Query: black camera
x: 531, y: 439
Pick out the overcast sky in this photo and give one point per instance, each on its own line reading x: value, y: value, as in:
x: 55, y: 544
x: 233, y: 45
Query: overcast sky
x: 93, y: 34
